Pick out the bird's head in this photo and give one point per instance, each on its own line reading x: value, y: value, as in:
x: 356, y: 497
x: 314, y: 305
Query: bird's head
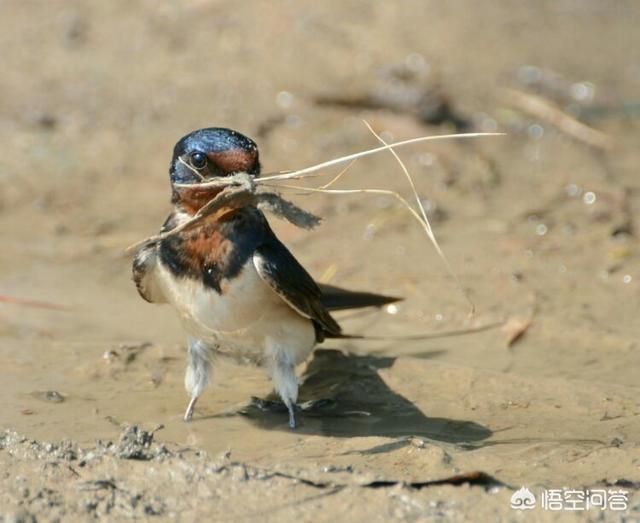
x: 207, y: 154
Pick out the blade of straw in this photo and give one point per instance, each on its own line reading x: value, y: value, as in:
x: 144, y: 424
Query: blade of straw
x: 337, y: 161
x: 427, y: 225
x: 369, y: 152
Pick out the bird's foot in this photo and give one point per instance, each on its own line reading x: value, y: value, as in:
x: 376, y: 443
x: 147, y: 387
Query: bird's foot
x: 188, y: 415
x: 291, y: 407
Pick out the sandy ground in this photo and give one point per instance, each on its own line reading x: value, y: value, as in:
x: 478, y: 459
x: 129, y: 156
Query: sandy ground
x: 540, y: 227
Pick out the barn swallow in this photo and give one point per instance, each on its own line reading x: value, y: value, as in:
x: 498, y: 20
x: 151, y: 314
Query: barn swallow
x: 237, y: 289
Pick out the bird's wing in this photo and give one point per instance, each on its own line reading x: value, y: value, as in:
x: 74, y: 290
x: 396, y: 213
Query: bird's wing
x: 144, y: 265
x: 286, y: 277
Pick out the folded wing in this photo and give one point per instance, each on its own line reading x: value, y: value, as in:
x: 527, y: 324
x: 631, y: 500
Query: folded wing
x: 286, y: 277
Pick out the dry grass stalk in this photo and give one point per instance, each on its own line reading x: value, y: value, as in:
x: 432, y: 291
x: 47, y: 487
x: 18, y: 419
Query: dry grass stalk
x: 425, y: 223
x: 304, y: 173
x: 543, y: 109
x: 242, y: 192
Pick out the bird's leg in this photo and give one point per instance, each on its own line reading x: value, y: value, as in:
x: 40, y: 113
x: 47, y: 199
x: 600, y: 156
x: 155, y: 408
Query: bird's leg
x: 198, y: 372
x: 285, y: 381
x: 292, y: 415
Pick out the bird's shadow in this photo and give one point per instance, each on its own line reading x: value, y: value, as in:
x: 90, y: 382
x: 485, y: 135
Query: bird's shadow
x: 342, y: 395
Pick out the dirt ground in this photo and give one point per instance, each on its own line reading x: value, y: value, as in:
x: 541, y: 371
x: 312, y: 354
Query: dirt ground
x: 540, y: 226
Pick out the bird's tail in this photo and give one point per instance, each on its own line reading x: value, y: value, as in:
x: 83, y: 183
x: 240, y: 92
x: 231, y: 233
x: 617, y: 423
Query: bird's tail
x: 337, y: 299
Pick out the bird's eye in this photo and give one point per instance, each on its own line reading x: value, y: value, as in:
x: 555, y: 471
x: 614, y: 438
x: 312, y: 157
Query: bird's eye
x: 198, y: 160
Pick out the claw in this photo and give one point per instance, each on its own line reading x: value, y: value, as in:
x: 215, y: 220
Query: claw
x: 188, y: 415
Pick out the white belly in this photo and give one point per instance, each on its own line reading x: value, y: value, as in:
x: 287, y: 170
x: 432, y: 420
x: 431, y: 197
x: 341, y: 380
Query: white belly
x: 248, y: 318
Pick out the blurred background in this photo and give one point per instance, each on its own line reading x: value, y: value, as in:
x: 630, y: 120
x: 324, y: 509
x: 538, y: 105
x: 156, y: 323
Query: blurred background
x: 539, y: 225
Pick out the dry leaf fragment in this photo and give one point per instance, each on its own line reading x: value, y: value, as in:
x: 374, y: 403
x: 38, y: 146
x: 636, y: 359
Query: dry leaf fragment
x: 515, y: 328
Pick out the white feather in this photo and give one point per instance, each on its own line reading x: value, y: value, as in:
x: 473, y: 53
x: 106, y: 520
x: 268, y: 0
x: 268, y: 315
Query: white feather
x: 246, y: 319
